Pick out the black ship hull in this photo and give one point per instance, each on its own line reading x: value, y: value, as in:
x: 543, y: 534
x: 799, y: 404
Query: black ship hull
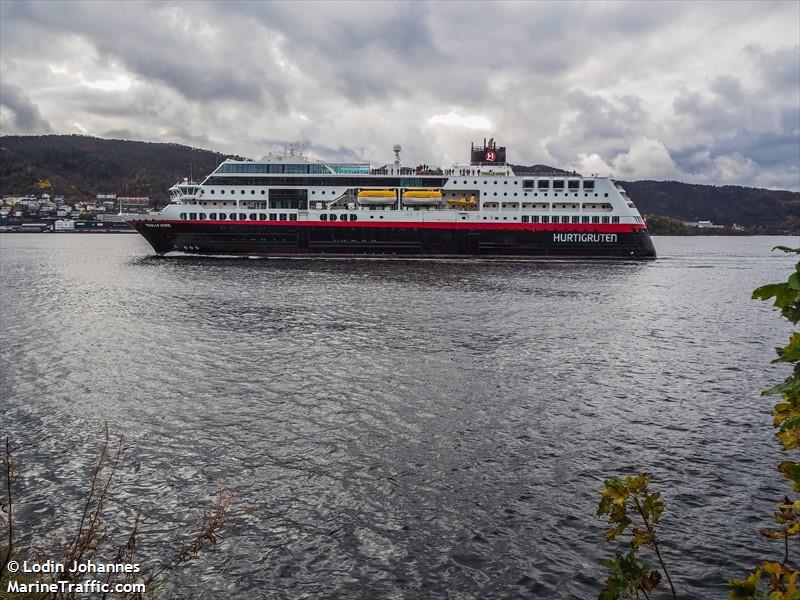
x: 423, y: 240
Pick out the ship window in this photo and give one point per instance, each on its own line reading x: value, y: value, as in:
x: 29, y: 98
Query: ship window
x: 323, y: 217
x: 283, y: 216
x: 252, y: 192
x: 545, y: 218
x: 584, y: 219
x: 192, y: 216
x: 234, y: 191
x: 495, y: 181
x: 595, y: 219
x: 222, y: 192
x: 543, y: 184
x: 558, y: 184
x: 202, y: 216
x: 353, y: 217
x: 333, y: 217
x: 253, y: 216
x: 555, y: 219
x: 588, y: 185
x: 573, y: 184
x: 474, y: 183
x: 495, y: 193
x: 524, y: 218
x: 212, y: 191
x: 505, y: 183
x: 183, y: 216
x: 606, y: 194
x: 293, y: 217
x: 262, y: 192
x: 262, y: 217
x: 288, y: 198
x: 242, y: 217
x: 535, y: 219
x: 222, y: 216
x: 615, y: 219
x: 605, y: 219
x: 273, y: 217
x: 576, y: 219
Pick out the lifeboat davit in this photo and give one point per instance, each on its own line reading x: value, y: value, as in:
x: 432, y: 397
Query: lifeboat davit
x: 422, y: 197
x: 377, y: 197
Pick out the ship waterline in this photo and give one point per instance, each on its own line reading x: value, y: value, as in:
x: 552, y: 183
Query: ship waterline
x: 285, y: 205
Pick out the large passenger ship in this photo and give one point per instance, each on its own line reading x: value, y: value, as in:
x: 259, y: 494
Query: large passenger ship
x: 288, y: 205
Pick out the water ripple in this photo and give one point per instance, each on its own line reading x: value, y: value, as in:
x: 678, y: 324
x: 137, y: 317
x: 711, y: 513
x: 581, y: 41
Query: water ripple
x: 397, y: 429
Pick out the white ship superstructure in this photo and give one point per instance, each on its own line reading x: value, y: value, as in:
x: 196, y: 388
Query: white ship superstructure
x: 288, y: 204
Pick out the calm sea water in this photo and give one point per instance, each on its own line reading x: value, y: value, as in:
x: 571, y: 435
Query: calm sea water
x: 398, y: 429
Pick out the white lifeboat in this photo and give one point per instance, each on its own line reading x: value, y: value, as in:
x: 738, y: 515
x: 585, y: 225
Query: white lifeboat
x: 376, y: 197
x: 422, y: 197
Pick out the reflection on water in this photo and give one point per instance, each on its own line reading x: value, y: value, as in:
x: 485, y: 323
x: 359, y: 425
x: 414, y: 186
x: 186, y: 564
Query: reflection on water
x: 400, y: 429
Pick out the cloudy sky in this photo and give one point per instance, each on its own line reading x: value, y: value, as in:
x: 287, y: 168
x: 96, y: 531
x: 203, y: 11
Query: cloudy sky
x: 700, y: 92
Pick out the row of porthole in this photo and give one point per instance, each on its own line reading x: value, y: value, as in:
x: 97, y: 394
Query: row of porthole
x: 556, y: 219
x: 546, y: 182
x: 333, y: 192
x: 263, y: 192
x: 555, y: 195
x: 238, y: 217
x: 334, y: 217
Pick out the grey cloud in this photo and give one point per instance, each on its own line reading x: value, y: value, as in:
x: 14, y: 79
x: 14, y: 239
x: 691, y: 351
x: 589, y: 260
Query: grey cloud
x: 153, y: 46
x: 603, y: 126
x: 729, y: 88
x: 557, y: 81
x: 779, y: 69
x: 27, y: 118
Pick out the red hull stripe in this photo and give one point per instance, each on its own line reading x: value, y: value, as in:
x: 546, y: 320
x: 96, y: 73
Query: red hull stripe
x: 494, y: 225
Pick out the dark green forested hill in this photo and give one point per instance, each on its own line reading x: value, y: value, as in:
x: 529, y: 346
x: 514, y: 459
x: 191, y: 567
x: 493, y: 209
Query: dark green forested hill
x: 768, y: 211
x: 80, y: 166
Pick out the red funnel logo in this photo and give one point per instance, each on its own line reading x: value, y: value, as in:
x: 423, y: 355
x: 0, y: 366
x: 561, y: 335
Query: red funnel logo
x: 490, y: 155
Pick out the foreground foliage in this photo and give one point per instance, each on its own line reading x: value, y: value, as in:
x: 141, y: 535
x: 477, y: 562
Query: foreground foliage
x: 632, y: 509
x: 93, y: 539
x: 779, y: 580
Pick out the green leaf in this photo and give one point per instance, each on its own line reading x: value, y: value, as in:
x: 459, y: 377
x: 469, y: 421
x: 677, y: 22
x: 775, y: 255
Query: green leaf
x: 789, y: 386
x: 745, y: 589
x: 774, y: 534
